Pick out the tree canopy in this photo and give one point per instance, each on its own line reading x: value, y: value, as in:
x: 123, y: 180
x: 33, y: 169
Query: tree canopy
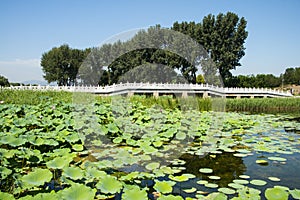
x: 61, y: 64
x: 216, y: 45
x: 4, y: 81
x: 222, y: 36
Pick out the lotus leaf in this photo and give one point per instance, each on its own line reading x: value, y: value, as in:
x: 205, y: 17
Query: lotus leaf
x: 134, y: 193
x: 74, y: 173
x: 216, y: 196
x: 275, y: 179
x: 226, y: 190
x: 178, y: 178
x: 211, y: 185
x: 235, y: 185
x: 262, y: 162
x: 277, y: 159
x: 5, y: 172
x: 276, y: 194
x: 78, y: 192
x: 77, y: 147
x: 58, y: 163
x: 152, y: 166
x: 202, y: 182
x: 244, y: 176
x: 109, y: 184
x: 258, y: 182
x: 214, y: 177
x: 6, y: 196
x: 241, y: 181
x: 295, y: 193
x: 191, y: 190
x: 180, y: 136
x: 164, y: 187
x: 170, y: 197
x: 37, y: 177
x: 45, y: 196
x: 206, y: 170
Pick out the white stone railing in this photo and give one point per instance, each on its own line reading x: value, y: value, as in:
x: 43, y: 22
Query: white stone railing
x: 110, y: 89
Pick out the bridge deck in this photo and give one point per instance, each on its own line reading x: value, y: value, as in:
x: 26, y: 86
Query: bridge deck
x: 157, y: 89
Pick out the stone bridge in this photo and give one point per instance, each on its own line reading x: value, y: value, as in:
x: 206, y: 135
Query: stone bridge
x: 158, y: 89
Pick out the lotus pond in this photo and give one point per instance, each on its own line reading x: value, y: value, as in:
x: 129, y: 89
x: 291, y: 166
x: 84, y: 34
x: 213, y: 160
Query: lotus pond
x: 126, y: 150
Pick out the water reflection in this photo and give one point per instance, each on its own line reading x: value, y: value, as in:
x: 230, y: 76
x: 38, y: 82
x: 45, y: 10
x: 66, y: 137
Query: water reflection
x: 224, y: 165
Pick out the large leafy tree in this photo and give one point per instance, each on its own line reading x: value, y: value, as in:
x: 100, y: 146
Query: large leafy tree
x: 292, y: 76
x: 3, y: 81
x: 61, y: 64
x: 222, y: 36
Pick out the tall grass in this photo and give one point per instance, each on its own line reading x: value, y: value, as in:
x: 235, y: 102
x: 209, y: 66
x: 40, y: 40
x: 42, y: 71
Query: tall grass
x: 32, y: 97
x: 264, y: 105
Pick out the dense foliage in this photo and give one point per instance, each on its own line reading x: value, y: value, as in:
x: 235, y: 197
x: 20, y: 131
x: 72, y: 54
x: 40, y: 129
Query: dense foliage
x: 3, y: 81
x: 222, y: 36
x: 61, y: 64
x: 292, y: 76
x: 123, y: 149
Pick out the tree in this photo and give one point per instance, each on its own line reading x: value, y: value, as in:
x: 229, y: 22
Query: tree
x: 61, y: 64
x: 4, y: 81
x: 222, y: 37
x: 292, y: 76
x: 200, y: 79
x: 150, y: 47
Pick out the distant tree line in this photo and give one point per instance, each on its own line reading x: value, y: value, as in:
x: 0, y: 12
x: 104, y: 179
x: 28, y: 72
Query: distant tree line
x: 222, y: 37
x: 291, y: 76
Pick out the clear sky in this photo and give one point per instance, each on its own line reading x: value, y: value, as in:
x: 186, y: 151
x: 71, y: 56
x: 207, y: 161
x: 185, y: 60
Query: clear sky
x: 30, y: 28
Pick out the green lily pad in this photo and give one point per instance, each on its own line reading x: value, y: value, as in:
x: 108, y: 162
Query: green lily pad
x: 276, y: 194
x: 78, y: 192
x: 216, y: 196
x: 5, y: 172
x: 77, y: 147
x: 211, y: 185
x: 279, y: 159
x: 258, y: 182
x: 74, y: 173
x: 241, y: 181
x: 179, y: 178
x: 109, y: 184
x: 214, y: 177
x: 241, y: 155
x: 152, y: 166
x: 244, y: 176
x: 262, y: 162
x: 202, y: 182
x: 134, y: 193
x: 170, y: 197
x: 37, y: 177
x: 206, y: 170
x: 226, y: 191
x: 236, y: 186
x: 58, y: 163
x: 282, y: 187
x: 275, y: 179
x: 295, y: 193
x: 6, y: 196
x: 164, y: 187
x: 191, y: 190
x: 180, y: 136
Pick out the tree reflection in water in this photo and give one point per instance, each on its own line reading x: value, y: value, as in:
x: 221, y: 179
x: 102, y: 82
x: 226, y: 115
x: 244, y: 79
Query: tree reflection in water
x: 224, y: 165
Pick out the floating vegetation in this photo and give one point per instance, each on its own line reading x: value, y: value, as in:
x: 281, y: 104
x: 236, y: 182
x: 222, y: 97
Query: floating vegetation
x: 130, y: 150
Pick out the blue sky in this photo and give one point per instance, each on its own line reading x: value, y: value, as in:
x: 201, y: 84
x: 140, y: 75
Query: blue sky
x: 30, y: 28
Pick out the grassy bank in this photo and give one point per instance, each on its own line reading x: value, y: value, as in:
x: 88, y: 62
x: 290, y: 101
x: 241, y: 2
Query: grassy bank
x: 265, y: 105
